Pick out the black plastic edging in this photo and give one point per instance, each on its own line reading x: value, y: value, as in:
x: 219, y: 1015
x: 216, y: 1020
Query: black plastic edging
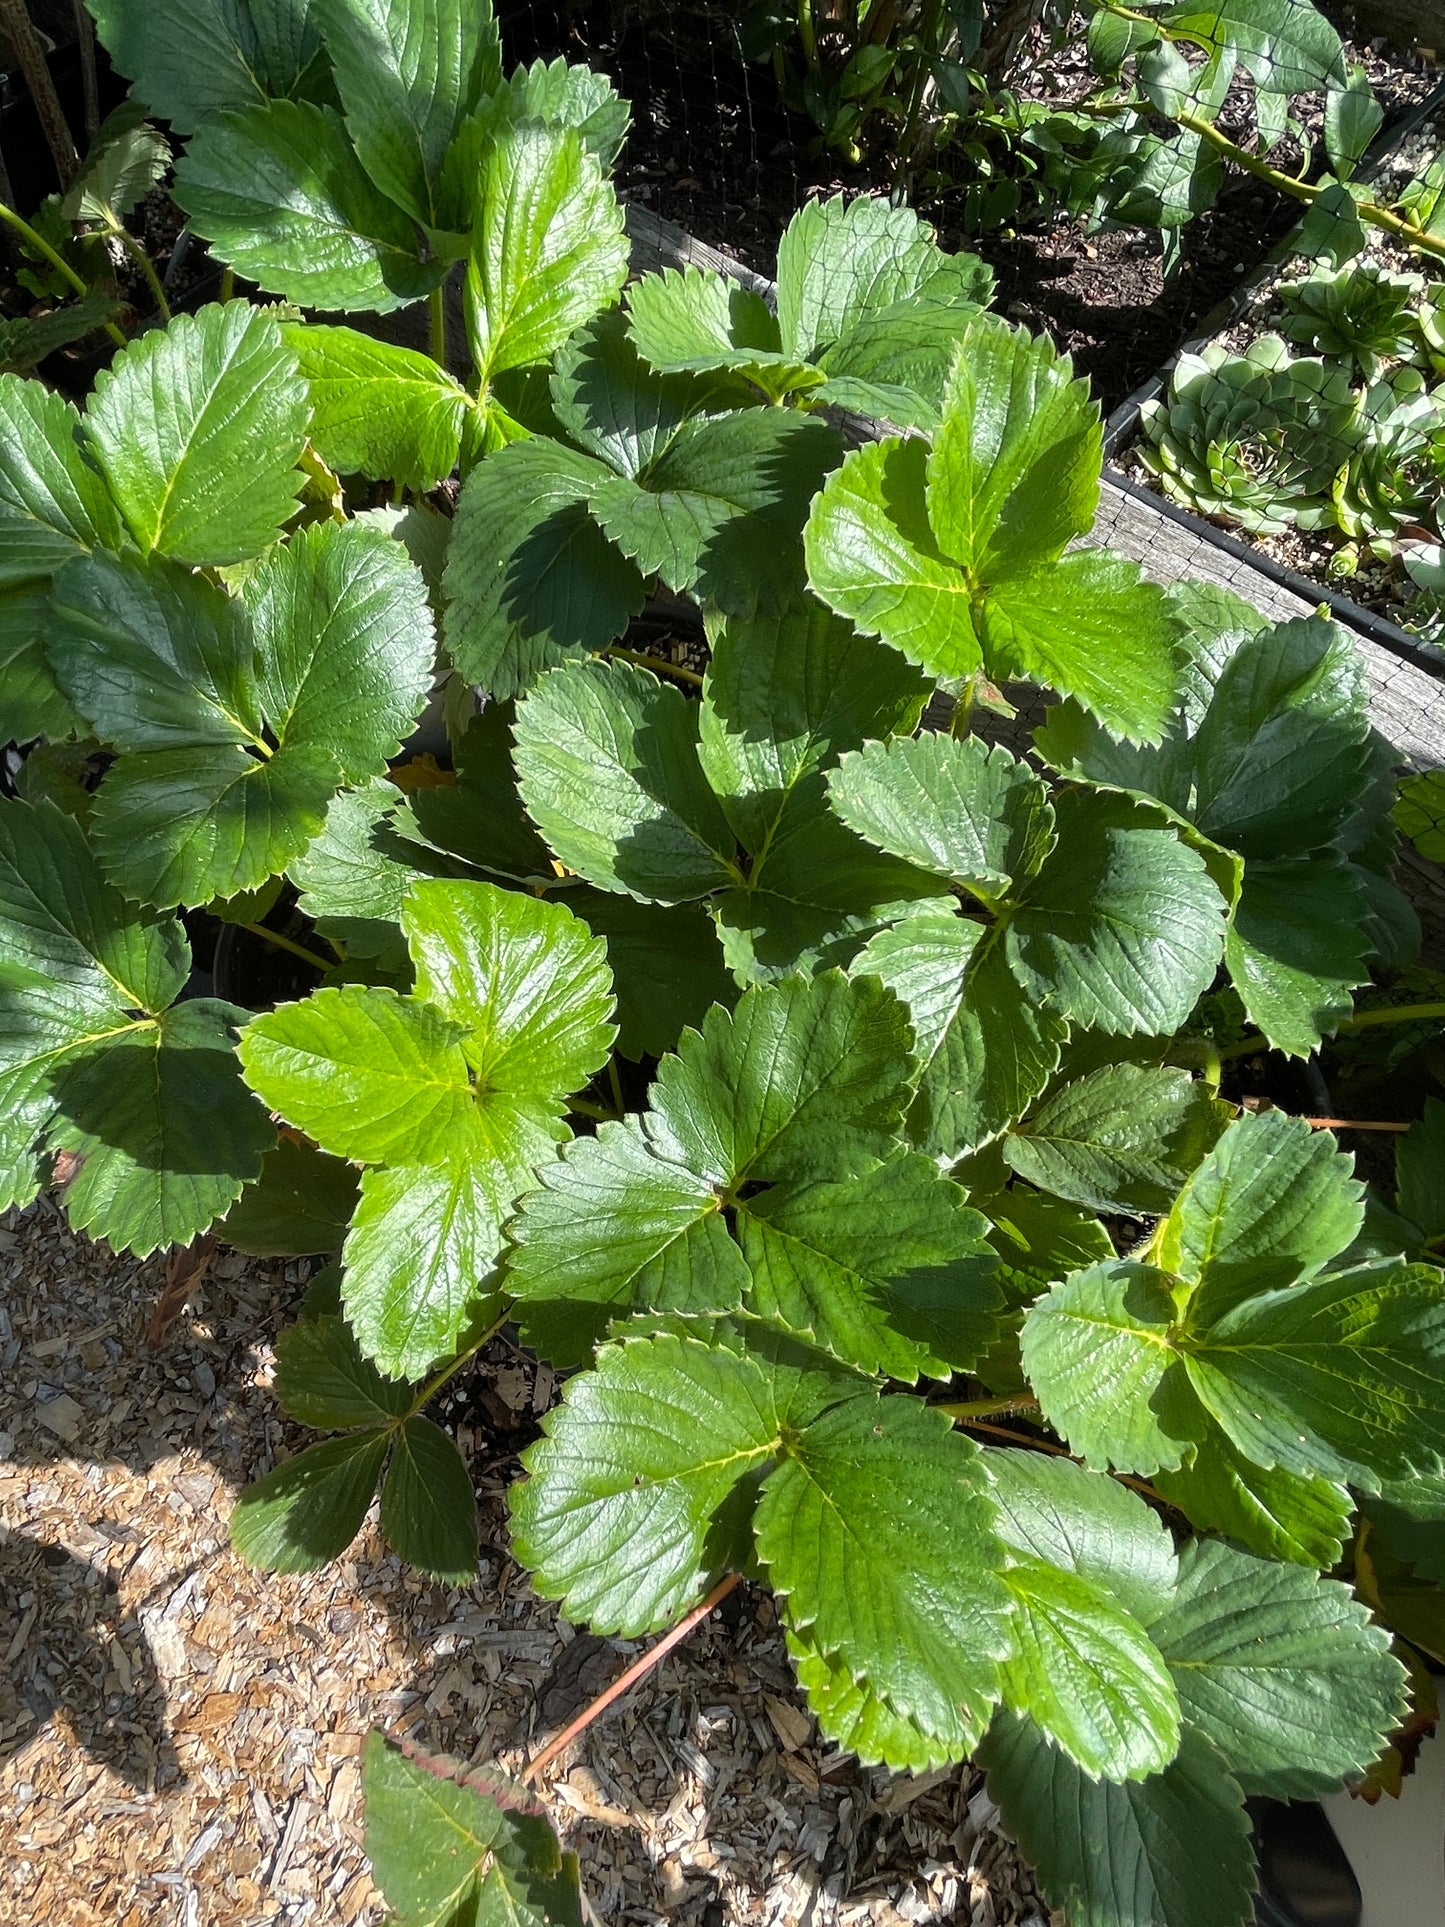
x: 1396, y: 641
x: 1123, y: 421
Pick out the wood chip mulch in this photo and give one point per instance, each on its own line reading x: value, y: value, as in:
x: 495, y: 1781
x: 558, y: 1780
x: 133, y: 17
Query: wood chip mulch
x: 179, y: 1735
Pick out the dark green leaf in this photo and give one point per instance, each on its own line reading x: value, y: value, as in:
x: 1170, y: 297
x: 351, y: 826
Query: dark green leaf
x: 428, y: 1508
x: 307, y: 1512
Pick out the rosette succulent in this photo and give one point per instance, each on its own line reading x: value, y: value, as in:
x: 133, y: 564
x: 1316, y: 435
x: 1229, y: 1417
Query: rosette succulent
x: 1394, y: 477
x: 1254, y: 439
x: 1362, y: 315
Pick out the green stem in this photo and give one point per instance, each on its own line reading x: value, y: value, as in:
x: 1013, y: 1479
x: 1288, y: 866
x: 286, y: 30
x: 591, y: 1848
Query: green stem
x: 976, y: 1408
x: 311, y: 957
x: 657, y: 663
x: 434, y: 1384
x: 437, y: 307
x: 616, y: 1083
x: 61, y: 266
x: 1362, y: 1020
x: 961, y: 721
x: 584, y: 1107
x: 228, y: 283
x: 138, y: 254
x: 808, y: 34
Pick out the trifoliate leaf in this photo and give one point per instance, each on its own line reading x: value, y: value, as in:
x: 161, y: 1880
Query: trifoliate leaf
x: 1175, y: 1848
x: 428, y: 1507
x: 307, y: 1512
x: 613, y: 1228
x: 322, y: 1380
x: 277, y: 191
x: 1090, y: 625
x: 531, y: 579
x: 1098, y: 1352
x: 450, y: 1843
x: 876, y: 1532
x: 888, y: 1270
x: 1282, y: 1669
x: 369, y: 1075
x: 198, y: 428
x: 299, y: 1207
x: 806, y: 1078
x: 787, y: 692
x: 379, y: 410
x: 616, y: 1518
x: 1343, y: 1377
x: 1014, y: 473
x: 1121, y: 1139
x: 608, y: 767
x: 985, y: 1048
x: 1122, y: 928
x: 548, y: 251
x: 167, y: 1133
x: 968, y: 812
x: 1272, y: 1202
x: 852, y: 1715
x: 1297, y: 947
x: 873, y: 557
x: 408, y: 78
x: 1280, y: 1515
x: 53, y: 504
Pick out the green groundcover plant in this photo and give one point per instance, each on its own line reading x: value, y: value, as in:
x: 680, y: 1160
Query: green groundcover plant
x: 810, y: 1088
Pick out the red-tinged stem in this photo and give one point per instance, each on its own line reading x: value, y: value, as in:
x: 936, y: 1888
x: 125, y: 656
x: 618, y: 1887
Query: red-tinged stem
x: 1351, y: 1124
x: 637, y: 1670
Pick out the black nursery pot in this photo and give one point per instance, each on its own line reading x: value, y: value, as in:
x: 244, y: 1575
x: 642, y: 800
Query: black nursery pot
x: 249, y: 971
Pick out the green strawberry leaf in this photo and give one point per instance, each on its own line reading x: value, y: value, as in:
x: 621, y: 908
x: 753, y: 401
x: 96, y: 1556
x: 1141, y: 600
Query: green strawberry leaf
x: 1420, y: 1170
x: 1083, y: 1522
x: 323, y: 1381
x: 890, y: 1271
x: 1121, y: 1139
x: 894, y: 363
x: 1280, y: 1515
x: 32, y: 702
x: 1273, y: 1201
x: 191, y: 62
x: 428, y: 1507
x: 531, y: 580
x: 607, y: 763
x: 198, y: 428
x: 559, y: 96
x: 408, y: 77
x: 378, y: 410
x: 666, y: 963
x: 853, y: 1716
x: 1281, y: 1669
x: 53, y: 504
x: 548, y: 251
x: 1176, y: 1845
x: 277, y: 191
x: 695, y: 321
x: 876, y: 1530
x: 307, y: 1512
x: 1297, y: 946
x: 299, y: 1207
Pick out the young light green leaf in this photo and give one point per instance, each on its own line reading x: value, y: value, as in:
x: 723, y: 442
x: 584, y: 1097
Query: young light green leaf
x: 890, y: 1271
x: 428, y: 1507
x: 608, y: 767
x: 379, y: 410
x: 53, y: 504
x: 531, y: 579
x: 408, y: 77
x: 307, y: 1512
x: 127, y: 158
x: 1282, y: 1669
x: 985, y: 1048
x: 1098, y: 1350
x: 966, y: 811
x: 323, y: 1381
x: 198, y: 428
x: 616, y: 1518
x: 369, y: 1075
x: 560, y: 95
x: 1175, y: 1845
x: 1122, y: 928
x: 876, y: 1531
x: 1273, y: 1201
x: 1121, y: 1139
x: 615, y: 1227
x: 123, y: 1108
x: 277, y: 191
x: 548, y: 252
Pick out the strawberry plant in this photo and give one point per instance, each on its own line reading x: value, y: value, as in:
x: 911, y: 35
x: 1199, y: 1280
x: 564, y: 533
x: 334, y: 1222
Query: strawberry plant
x: 811, y: 1091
